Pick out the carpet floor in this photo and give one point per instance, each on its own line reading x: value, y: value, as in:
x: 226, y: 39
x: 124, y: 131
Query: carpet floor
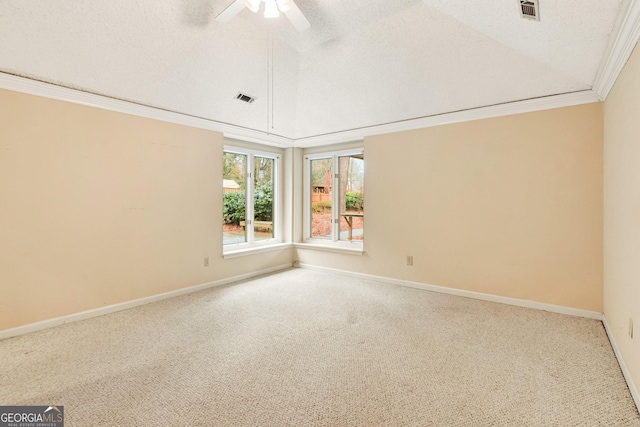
x: 303, y: 348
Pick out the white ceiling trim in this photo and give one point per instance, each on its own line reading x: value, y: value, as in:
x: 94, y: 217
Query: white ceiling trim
x: 517, y: 107
x: 620, y: 51
x: 612, y: 64
x: 48, y: 90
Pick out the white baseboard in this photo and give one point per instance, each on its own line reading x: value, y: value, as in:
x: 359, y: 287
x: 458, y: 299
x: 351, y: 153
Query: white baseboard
x: 463, y: 293
x: 623, y: 366
x: 50, y: 323
x: 504, y: 300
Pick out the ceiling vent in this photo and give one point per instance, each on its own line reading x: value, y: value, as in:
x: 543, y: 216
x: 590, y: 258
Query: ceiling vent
x: 245, y: 98
x: 529, y: 9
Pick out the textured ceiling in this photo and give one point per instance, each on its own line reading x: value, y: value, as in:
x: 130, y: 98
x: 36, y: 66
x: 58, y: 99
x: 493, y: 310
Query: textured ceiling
x: 362, y: 63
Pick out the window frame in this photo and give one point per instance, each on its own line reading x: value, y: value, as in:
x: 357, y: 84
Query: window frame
x: 251, y: 243
x: 334, y: 240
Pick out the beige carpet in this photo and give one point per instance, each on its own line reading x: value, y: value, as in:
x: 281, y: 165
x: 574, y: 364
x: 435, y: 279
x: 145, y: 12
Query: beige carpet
x: 303, y: 348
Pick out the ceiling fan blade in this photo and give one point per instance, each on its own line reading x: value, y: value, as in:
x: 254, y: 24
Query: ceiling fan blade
x: 296, y: 17
x: 232, y: 10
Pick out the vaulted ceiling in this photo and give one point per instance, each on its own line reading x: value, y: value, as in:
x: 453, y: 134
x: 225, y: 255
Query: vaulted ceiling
x: 361, y: 64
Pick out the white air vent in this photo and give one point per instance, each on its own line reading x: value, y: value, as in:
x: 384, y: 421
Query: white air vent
x: 529, y: 9
x: 245, y: 98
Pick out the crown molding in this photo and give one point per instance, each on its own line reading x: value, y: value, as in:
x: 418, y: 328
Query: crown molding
x: 517, y: 107
x: 617, y: 56
x: 48, y: 90
x: 620, y: 51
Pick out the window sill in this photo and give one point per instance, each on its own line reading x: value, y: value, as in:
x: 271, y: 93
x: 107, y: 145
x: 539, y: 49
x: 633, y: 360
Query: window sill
x: 252, y: 250
x: 350, y: 248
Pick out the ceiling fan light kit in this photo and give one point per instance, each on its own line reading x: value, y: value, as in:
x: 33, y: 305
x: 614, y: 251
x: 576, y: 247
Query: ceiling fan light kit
x: 272, y: 9
x: 284, y: 5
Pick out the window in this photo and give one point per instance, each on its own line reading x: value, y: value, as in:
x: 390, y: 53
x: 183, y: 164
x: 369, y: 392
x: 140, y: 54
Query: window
x: 250, y: 198
x: 335, y: 206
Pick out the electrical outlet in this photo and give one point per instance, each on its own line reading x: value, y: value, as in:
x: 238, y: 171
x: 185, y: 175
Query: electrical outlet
x: 206, y: 261
x: 409, y: 260
x: 630, y: 328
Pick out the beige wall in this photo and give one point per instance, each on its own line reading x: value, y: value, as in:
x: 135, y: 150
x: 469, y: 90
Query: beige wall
x: 99, y: 208
x: 509, y: 206
x: 622, y: 212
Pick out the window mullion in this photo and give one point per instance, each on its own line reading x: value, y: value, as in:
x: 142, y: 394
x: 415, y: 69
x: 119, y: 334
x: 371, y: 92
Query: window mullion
x: 249, y: 220
x: 335, y: 199
x: 277, y: 207
x: 307, y: 197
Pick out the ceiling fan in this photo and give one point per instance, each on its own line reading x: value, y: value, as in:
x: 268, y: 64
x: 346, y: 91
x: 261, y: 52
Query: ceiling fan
x: 272, y: 9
